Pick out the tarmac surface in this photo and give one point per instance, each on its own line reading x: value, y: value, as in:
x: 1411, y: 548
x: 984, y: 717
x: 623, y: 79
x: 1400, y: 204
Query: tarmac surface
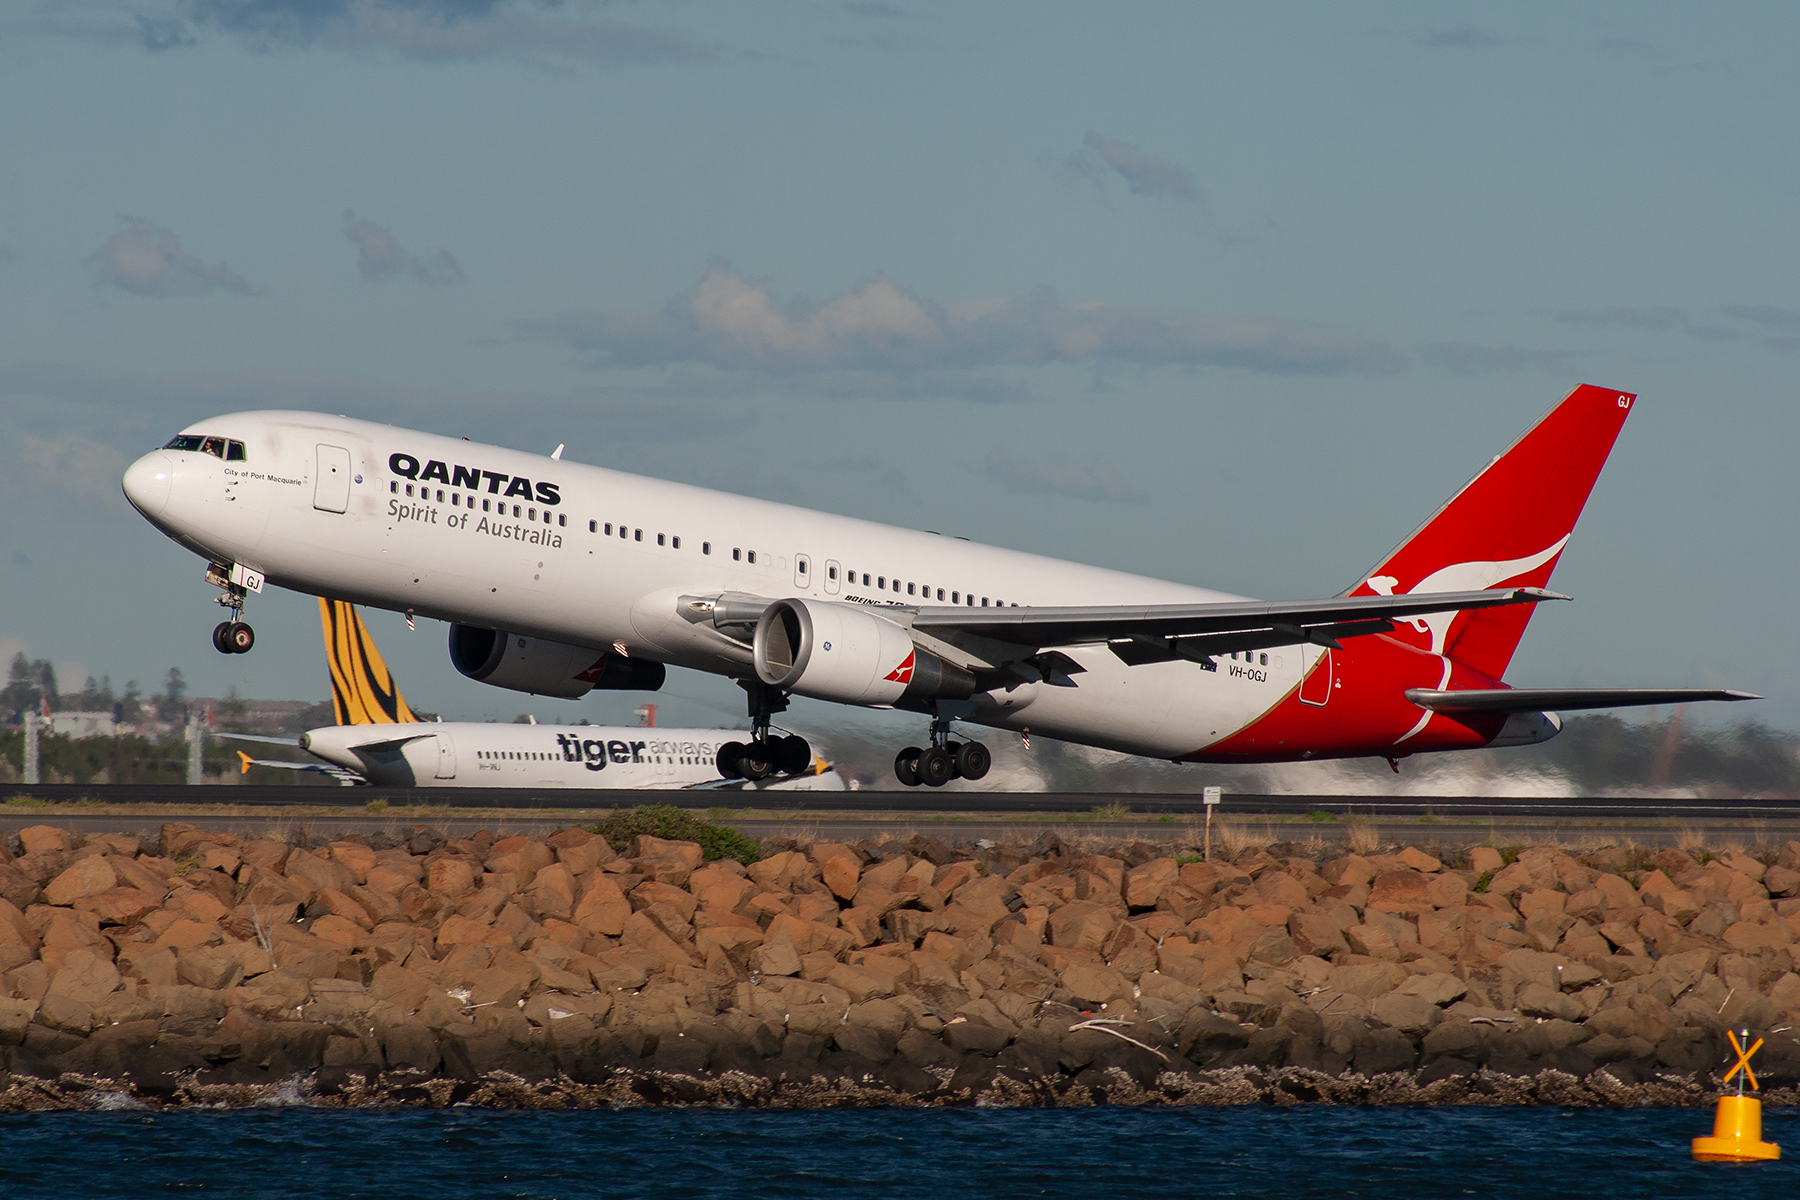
x: 953, y: 814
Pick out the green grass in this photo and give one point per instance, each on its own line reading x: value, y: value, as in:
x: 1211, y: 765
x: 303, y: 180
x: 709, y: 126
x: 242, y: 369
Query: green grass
x: 677, y: 825
x: 1481, y: 885
x: 1319, y: 816
x: 376, y: 806
x: 26, y: 802
x: 1182, y: 860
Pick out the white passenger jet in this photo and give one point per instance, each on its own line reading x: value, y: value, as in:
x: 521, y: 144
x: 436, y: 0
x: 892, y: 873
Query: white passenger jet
x: 378, y: 739
x: 558, y: 578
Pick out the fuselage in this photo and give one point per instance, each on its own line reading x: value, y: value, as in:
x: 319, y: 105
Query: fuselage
x: 471, y: 754
x: 502, y: 539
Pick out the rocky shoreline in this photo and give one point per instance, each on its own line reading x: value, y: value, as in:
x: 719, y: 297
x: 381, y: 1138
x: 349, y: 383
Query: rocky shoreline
x: 567, y: 972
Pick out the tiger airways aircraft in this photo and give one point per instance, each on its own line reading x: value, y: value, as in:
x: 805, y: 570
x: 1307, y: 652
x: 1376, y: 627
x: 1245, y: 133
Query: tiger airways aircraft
x: 379, y: 739
x: 557, y: 578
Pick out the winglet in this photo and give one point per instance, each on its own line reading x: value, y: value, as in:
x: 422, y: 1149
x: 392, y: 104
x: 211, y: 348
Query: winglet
x: 245, y: 770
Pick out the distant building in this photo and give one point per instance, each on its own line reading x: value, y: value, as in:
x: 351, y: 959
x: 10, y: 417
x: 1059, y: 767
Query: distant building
x: 82, y: 724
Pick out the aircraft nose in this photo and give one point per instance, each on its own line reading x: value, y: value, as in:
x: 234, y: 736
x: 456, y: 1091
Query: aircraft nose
x: 147, y: 483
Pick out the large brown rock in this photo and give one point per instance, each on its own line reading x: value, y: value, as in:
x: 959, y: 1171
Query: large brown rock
x: 315, y: 873
x: 519, y: 857
x: 85, y: 976
x: 355, y: 856
x: 41, y: 839
x: 1414, y: 1015
x: 553, y: 892
x: 603, y: 908
x: 1082, y: 925
x: 1402, y: 891
x: 579, y: 850
x: 85, y: 877
x: 1145, y: 885
x: 1316, y: 933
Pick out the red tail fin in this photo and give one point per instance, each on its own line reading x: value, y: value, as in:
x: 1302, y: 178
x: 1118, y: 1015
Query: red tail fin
x: 1507, y: 526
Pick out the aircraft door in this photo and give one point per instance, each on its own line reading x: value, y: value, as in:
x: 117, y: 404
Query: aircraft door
x: 1315, y: 687
x: 446, y: 762
x: 832, y: 580
x: 331, y: 489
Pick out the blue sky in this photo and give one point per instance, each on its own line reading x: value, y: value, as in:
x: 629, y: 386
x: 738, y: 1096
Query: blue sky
x: 1233, y: 295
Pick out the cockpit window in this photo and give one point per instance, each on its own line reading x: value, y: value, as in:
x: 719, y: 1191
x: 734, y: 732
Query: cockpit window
x: 218, y: 447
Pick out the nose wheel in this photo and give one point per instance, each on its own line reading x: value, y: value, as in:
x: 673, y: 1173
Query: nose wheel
x: 233, y: 637
x: 943, y: 760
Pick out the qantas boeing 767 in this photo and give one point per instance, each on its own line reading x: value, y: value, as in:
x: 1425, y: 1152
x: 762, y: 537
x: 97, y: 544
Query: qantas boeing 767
x: 559, y: 578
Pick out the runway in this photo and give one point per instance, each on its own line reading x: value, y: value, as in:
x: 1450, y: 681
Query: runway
x: 925, y: 802
x: 949, y: 813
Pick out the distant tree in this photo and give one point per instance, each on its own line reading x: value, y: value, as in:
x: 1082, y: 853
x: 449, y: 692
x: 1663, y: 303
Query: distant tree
x: 130, y: 709
x: 232, y: 707
x: 29, y: 683
x: 171, y: 707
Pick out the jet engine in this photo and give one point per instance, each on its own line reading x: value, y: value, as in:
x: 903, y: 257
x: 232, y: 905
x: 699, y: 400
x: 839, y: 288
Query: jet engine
x: 846, y: 653
x: 544, y: 668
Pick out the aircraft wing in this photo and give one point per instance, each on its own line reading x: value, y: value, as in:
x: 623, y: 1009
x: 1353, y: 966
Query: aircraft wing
x: 1160, y: 632
x: 1507, y: 700
x: 255, y: 737
x: 346, y: 778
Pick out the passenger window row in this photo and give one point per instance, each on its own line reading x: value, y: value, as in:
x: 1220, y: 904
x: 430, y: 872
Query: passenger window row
x: 922, y: 590
x: 524, y: 512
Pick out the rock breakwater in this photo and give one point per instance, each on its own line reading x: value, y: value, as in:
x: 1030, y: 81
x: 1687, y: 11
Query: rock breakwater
x: 567, y: 972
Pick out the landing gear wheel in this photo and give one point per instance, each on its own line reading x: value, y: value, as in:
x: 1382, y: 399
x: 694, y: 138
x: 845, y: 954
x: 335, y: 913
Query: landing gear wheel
x: 973, y: 760
x: 757, y: 761
x: 793, y: 756
x: 222, y: 637
x: 240, y: 637
x: 906, y: 766
x: 935, y: 768
x: 730, y: 760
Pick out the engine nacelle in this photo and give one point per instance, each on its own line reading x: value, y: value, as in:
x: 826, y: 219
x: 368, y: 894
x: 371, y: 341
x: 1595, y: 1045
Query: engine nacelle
x: 544, y: 668
x: 846, y: 653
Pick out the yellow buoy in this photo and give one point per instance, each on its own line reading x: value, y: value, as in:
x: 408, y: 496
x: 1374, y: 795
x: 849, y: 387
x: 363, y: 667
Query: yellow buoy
x: 1737, y: 1127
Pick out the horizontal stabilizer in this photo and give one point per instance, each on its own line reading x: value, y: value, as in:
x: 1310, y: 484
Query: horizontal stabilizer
x: 1562, y: 699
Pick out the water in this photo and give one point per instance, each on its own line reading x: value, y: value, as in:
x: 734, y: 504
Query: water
x: 1084, y: 1154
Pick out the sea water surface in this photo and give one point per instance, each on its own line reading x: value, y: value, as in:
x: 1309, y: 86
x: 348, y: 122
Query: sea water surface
x: 1082, y: 1154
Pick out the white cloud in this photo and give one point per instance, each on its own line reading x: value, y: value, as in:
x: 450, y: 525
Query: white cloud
x: 1096, y: 480
x: 147, y: 260
x: 380, y: 256
x: 898, y: 338
x: 1144, y: 174
x: 68, y: 463
x: 1464, y: 358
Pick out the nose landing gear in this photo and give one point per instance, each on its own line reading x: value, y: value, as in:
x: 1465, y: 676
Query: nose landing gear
x: 233, y: 636
x: 765, y: 754
x: 943, y: 760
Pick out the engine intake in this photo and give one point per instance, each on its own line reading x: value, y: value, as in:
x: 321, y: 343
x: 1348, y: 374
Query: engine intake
x: 844, y: 652
x: 546, y: 668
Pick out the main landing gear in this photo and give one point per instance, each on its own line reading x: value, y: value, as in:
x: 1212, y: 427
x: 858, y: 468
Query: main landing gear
x: 765, y: 754
x: 233, y: 636
x: 942, y: 761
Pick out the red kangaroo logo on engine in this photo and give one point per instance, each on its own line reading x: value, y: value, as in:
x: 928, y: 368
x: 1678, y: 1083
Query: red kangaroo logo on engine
x: 901, y: 673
